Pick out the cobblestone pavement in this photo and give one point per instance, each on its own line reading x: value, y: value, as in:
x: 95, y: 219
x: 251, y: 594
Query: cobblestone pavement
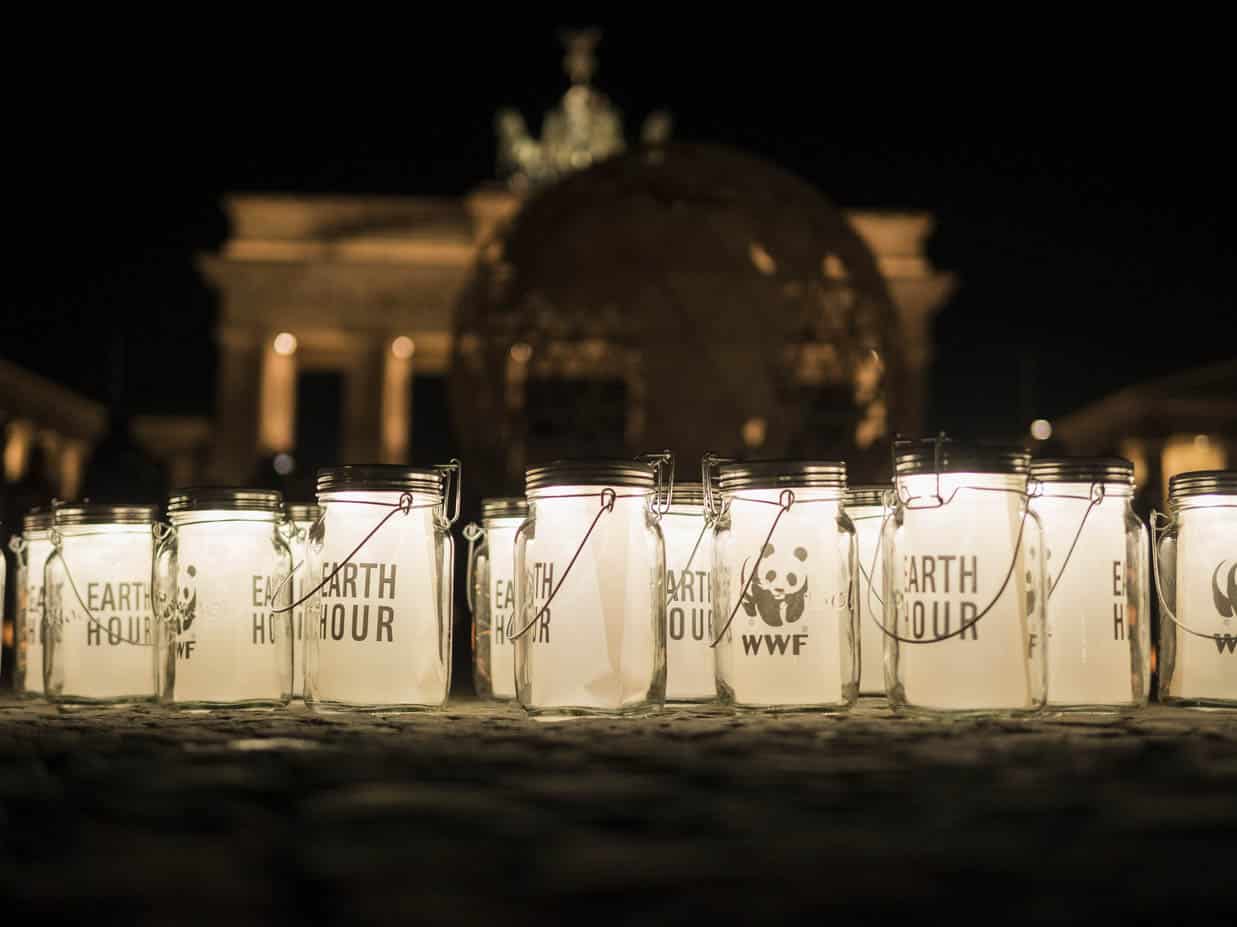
x: 144, y: 816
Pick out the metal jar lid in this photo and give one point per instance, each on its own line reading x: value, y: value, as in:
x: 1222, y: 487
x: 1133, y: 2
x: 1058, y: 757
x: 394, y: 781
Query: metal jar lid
x: 90, y: 513
x: 380, y: 478
x: 613, y: 471
x: 504, y: 507
x: 689, y: 494
x: 1203, y: 483
x: 872, y: 494
x: 303, y: 512
x: 944, y: 455
x: 781, y: 474
x: 1083, y: 470
x: 37, y: 519
x: 224, y: 499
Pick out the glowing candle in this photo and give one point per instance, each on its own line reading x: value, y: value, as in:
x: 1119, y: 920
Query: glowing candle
x: 1095, y: 557
x: 220, y: 574
x: 302, y: 518
x: 590, y: 634
x: 96, y: 581
x: 492, y: 597
x: 964, y: 582
x: 1197, y: 560
x: 865, y: 506
x: 784, y: 578
x: 34, y: 549
x: 691, y: 671
x: 378, y: 632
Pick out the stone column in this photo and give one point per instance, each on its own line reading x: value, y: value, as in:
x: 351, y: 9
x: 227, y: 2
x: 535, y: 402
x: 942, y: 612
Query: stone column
x: 238, y: 393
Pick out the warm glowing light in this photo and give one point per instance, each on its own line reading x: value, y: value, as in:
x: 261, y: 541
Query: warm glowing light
x: 762, y: 260
x: 521, y: 352
x: 1041, y: 429
x: 754, y: 432
x: 403, y: 347
x: 1202, y: 442
x: 284, y: 464
x: 285, y: 344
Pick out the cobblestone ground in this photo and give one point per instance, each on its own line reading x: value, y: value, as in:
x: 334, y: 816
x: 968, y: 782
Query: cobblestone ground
x: 144, y: 816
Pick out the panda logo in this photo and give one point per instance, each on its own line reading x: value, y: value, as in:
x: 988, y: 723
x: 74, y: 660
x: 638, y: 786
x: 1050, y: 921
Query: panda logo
x: 778, y: 589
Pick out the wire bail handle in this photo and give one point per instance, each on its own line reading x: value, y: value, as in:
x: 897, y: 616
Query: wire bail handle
x: 905, y: 502
x: 473, y: 533
x: 608, y: 498
x: 1094, y: 497
x: 1167, y: 528
x: 452, y: 473
x: 663, y: 467
x: 714, y: 503
x: 19, y: 547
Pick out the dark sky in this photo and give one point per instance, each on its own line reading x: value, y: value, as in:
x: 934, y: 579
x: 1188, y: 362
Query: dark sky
x: 1083, y: 196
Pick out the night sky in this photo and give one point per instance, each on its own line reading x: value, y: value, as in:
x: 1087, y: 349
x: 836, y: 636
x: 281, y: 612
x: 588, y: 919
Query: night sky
x: 1083, y: 198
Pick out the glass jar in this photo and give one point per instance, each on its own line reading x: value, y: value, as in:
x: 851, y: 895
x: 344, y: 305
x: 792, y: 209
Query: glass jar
x: 964, y: 582
x: 865, y: 506
x: 490, y: 587
x: 301, y: 518
x: 590, y: 601
x: 381, y: 563
x: 1196, y: 574
x: 1095, y: 558
x: 691, y: 667
x: 32, y: 548
x: 221, y: 589
x: 784, y: 585
x: 98, y: 645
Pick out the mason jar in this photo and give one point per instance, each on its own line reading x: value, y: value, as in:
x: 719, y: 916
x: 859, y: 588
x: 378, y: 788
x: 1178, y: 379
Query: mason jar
x: 1196, y: 574
x: 784, y: 585
x: 691, y: 668
x: 381, y: 562
x: 32, y: 548
x: 1096, y: 557
x: 301, y: 519
x: 865, y: 506
x: 490, y: 587
x: 98, y: 643
x: 964, y: 582
x: 221, y: 574
x: 590, y: 601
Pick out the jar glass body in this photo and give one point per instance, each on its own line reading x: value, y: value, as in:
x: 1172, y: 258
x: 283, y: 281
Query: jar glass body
x: 1098, y: 607
x: 867, y: 520
x: 493, y: 598
x: 298, y: 544
x: 691, y: 670
x: 378, y: 632
x: 1198, y: 577
x: 600, y: 645
x: 974, y: 563
x: 219, y: 578
x: 793, y: 640
x: 98, y: 642
x: 28, y: 628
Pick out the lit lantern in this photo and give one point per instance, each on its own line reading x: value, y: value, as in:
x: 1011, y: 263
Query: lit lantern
x: 865, y: 506
x: 491, y: 595
x: 1095, y: 558
x: 964, y: 582
x: 590, y: 602
x: 32, y: 549
x: 691, y: 671
x: 785, y: 585
x: 381, y: 562
x: 1196, y: 561
x: 98, y: 645
x: 302, y: 519
x: 221, y: 573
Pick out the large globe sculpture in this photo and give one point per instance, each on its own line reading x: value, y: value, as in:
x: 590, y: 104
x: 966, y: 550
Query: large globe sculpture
x: 734, y: 305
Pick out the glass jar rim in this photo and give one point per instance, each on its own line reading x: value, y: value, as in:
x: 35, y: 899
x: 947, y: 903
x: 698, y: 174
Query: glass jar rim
x: 688, y: 494
x: 37, y: 519
x: 600, y: 471
x: 504, y: 507
x: 380, y: 478
x: 1202, y: 483
x: 868, y: 494
x: 303, y: 511
x: 224, y: 499
x: 93, y: 513
x: 1083, y: 470
x: 945, y: 455
x: 781, y: 474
